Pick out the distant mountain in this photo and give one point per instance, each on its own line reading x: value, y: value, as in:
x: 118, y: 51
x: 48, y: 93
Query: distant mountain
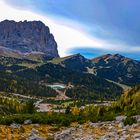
x: 23, y: 72
x: 28, y: 52
x: 28, y: 37
x: 75, y: 62
x: 117, y: 68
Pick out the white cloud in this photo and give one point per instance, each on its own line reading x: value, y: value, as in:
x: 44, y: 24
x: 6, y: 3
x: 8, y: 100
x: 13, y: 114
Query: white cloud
x: 68, y: 34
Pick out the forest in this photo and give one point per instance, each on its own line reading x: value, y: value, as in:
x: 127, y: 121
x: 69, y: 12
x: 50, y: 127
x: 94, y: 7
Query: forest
x: 128, y: 104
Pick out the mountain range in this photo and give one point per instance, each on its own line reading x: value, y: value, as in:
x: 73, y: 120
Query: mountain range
x: 117, y: 68
x: 29, y: 52
x: 114, y: 67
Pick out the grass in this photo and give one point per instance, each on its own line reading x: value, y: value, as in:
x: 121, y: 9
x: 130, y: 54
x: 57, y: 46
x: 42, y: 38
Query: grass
x: 15, y: 134
x: 29, y: 65
x: 59, y: 60
x: 68, y: 103
x: 125, y: 87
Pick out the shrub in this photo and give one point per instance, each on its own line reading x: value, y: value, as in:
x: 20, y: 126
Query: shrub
x: 50, y: 138
x: 129, y: 121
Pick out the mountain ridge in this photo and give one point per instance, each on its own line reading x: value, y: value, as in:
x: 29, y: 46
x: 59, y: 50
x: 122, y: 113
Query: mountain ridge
x: 32, y: 40
x: 114, y: 67
x: 117, y: 68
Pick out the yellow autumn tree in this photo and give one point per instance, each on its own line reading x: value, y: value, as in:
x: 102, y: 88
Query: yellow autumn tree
x: 75, y: 111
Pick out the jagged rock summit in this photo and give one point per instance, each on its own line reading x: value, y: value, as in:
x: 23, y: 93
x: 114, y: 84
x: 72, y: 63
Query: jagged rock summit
x: 28, y: 37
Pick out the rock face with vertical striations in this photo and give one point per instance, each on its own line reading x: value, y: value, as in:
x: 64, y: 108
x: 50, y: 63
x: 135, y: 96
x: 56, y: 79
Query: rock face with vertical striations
x: 28, y: 37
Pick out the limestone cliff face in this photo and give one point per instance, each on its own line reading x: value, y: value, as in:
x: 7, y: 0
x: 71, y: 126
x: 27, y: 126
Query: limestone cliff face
x: 27, y: 37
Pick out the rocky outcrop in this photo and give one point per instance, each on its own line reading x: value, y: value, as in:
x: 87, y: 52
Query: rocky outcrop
x: 34, y: 135
x: 27, y: 37
x: 101, y: 131
x: 14, y: 125
x: 27, y: 122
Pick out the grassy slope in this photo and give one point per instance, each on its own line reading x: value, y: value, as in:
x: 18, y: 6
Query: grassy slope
x: 125, y: 87
x: 59, y: 60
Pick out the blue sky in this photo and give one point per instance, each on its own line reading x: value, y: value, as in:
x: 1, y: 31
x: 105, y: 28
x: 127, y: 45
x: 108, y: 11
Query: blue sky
x: 104, y: 26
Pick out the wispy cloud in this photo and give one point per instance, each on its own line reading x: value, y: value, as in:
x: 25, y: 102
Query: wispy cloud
x: 66, y: 36
x: 69, y: 33
x: 94, y: 52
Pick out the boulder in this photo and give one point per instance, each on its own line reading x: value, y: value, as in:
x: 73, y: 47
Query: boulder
x: 88, y: 138
x: 109, y: 136
x: 15, y: 125
x: 127, y: 127
x: 27, y: 122
x: 120, y: 118
x: 135, y: 125
x: 36, y: 137
x: 34, y: 131
x: 137, y: 136
x: 64, y: 135
x: 121, y: 125
x: 122, y: 138
x: 137, y: 117
x: 105, y: 137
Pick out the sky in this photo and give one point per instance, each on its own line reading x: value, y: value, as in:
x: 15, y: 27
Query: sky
x: 89, y: 27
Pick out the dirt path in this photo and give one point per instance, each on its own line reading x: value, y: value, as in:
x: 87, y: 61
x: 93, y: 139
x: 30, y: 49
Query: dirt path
x: 61, y: 95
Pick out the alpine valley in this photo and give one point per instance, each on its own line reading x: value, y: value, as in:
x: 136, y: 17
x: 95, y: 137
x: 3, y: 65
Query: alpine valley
x: 42, y: 94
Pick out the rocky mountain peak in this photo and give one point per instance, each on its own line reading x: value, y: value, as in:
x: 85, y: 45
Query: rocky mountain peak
x: 118, y: 57
x: 27, y: 36
x: 117, y: 68
x: 111, y: 57
x: 77, y: 56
